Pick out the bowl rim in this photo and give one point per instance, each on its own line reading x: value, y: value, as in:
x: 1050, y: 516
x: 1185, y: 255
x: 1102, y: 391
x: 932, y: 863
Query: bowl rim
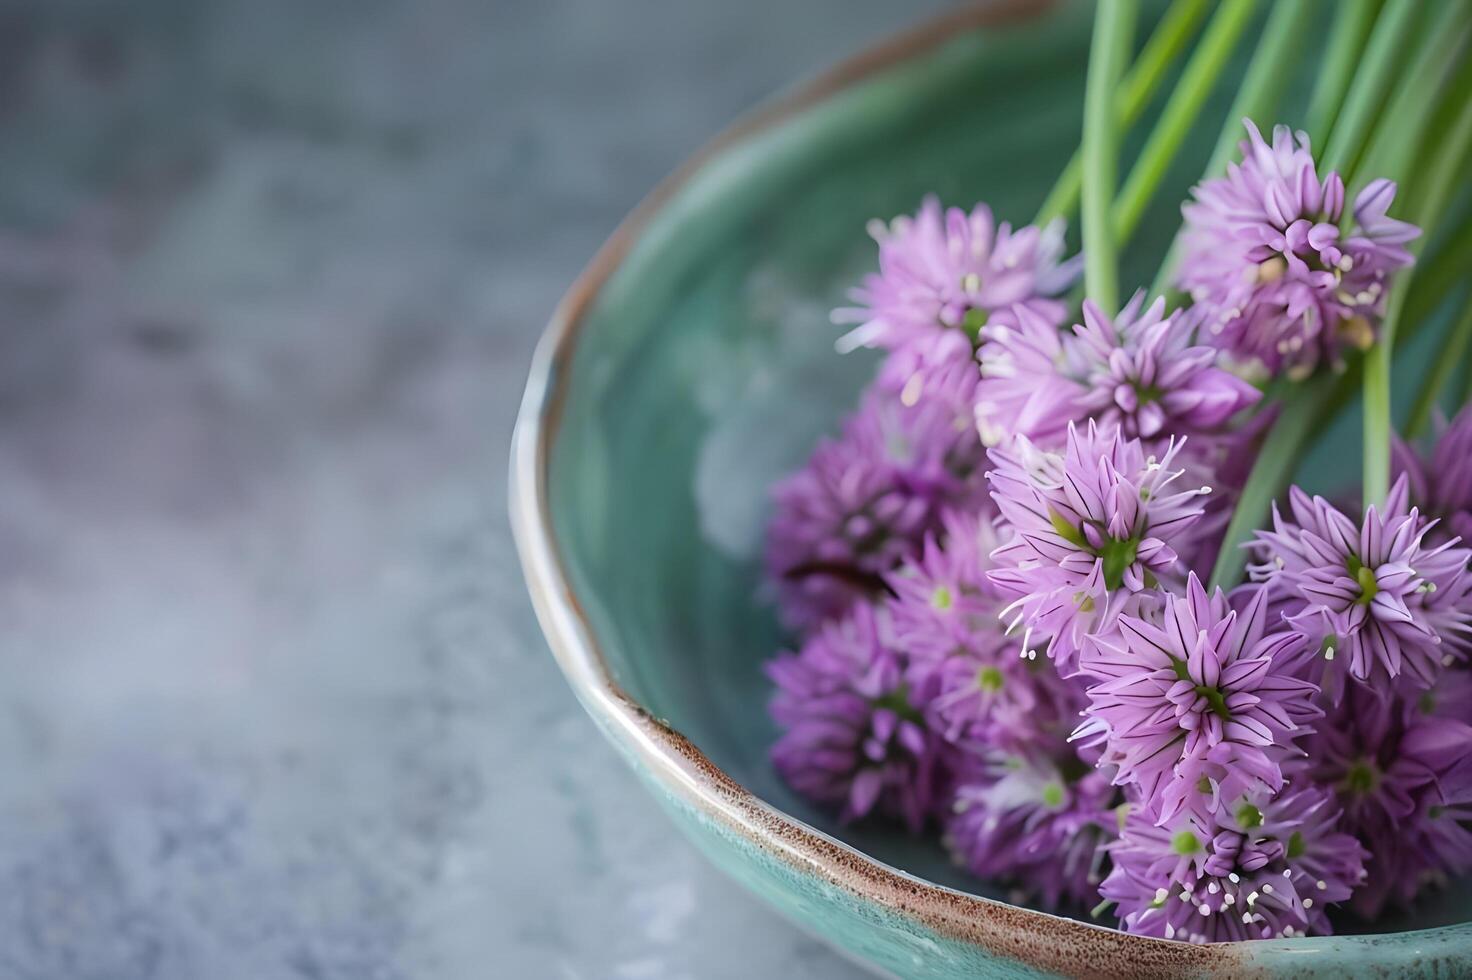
x: 1048, y: 942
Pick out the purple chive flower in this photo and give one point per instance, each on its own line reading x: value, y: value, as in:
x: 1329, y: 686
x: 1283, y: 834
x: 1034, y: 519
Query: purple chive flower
x: 1030, y: 380
x: 1094, y: 529
x: 977, y: 689
x: 1396, y: 606
x: 1401, y: 775
x: 1035, y: 819
x: 1441, y: 484
x: 1452, y: 695
x: 943, y: 600
x: 943, y: 275
x: 1138, y: 371
x: 865, y: 501
x: 1281, y: 273
x: 1142, y: 373
x: 851, y: 736
x: 1202, y: 704
x: 1443, y: 823
x: 1263, y: 867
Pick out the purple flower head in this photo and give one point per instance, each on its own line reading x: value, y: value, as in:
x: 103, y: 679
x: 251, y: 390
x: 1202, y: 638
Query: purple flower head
x: 1031, y: 380
x: 943, y: 600
x: 1397, y: 607
x: 1263, y: 867
x: 1401, y: 775
x: 1451, y: 697
x: 1037, y: 819
x: 1138, y: 372
x: 1202, y: 704
x: 1094, y: 528
x: 865, y: 501
x: 943, y: 275
x: 1142, y: 373
x: 1282, y: 274
x: 977, y: 690
x: 1441, y: 485
x: 851, y: 736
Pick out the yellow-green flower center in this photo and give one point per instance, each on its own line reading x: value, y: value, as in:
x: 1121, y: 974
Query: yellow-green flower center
x: 1361, y: 778
x: 1365, y: 576
x: 1118, y: 554
x: 990, y: 679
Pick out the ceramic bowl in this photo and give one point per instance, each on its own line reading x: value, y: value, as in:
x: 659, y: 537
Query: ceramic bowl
x: 690, y: 366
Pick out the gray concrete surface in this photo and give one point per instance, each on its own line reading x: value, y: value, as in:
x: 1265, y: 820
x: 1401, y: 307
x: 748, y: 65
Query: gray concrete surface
x: 274, y: 703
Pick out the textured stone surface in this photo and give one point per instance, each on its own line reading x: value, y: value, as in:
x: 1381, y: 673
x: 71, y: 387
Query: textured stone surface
x: 274, y: 701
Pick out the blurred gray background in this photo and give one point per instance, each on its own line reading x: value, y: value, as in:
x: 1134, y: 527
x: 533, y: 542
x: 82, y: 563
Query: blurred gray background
x: 273, y: 701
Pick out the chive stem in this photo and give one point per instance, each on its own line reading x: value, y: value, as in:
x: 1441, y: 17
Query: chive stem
x: 1441, y: 180
x: 1257, y: 98
x: 1372, y: 79
x: 1346, y: 45
x: 1182, y: 110
x: 1400, y: 128
x: 1139, y: 86
x: 1299, y: 413
x: 1113, y: 29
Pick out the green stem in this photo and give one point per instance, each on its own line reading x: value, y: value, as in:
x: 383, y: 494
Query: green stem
x: 1257, y: 97
x: 1432, y: 288
x: 1113, y: 28
x: 1452, y: 101
x: 1347, y: 43
x: 1181, y: 112
x: 1372, y: 80
x: 1301, y: 409
x: 1440, y: 181
x: 1401, y: 126
x: 1448, y: 359
x: 1265, y: 81
x: 1166, y: 43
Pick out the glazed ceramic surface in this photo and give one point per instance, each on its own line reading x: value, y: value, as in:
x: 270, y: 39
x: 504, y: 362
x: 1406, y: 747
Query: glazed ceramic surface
x: 692, y: 365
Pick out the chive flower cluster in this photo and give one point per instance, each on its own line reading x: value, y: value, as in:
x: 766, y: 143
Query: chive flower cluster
x: 997, y: 578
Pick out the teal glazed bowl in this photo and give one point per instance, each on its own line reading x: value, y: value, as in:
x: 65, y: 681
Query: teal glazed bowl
x: 691, y: 365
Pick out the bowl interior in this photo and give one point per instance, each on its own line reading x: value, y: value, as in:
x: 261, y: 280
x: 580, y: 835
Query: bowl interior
x: 704, y: 369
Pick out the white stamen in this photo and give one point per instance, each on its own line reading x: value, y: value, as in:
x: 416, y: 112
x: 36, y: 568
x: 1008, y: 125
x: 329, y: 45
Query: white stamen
x: 910, y: 394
